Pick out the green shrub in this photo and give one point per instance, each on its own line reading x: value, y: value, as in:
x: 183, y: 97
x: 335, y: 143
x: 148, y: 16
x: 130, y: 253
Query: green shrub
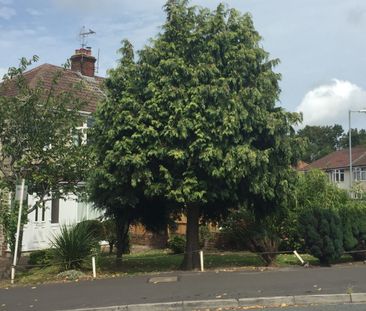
x: 244, y: 231
x: 95, y: 227
x: 177, y: 244
x: 73, y: 245
x: 353, y: 217
x: 42, y: 257
x: 321, y: 230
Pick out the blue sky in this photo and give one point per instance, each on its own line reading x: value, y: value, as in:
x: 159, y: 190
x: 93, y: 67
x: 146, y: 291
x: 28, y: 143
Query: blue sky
x: 321, y: 43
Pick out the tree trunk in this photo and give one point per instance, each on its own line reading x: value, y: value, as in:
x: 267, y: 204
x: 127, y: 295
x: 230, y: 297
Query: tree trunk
x: 191, y: 257
x: 122, y: 227
x: 111, y: 248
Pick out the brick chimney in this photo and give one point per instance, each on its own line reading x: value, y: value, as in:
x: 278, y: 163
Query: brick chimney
x: 83, y: 62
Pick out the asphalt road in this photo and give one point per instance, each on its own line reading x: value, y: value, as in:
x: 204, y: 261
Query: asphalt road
x: 341, y: 307
x: 189, y: 286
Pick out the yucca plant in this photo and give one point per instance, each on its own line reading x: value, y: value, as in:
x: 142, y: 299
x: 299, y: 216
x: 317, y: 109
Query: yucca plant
x: 73, y: 244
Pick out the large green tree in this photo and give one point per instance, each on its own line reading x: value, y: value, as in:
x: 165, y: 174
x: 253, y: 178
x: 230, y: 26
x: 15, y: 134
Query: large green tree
x: 38, y: 125
x: 321, y: 140
x: 358, y: 138
x: 194, y: 122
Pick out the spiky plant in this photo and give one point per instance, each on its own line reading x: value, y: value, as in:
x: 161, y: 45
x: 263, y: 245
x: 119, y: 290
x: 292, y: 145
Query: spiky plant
x: 73, y: 245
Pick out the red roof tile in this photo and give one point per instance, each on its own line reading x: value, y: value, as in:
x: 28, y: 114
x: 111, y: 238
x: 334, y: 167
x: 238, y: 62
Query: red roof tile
x: 90, y: 91
x: 340, y: 159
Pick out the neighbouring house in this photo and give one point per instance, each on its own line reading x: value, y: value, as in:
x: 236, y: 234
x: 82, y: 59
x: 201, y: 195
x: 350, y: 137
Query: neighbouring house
x: 44, y: 223
x: 337, y: 166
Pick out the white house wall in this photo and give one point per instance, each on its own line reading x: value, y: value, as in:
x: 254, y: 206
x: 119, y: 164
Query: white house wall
x: 38, y: 234
x: 346, y: 183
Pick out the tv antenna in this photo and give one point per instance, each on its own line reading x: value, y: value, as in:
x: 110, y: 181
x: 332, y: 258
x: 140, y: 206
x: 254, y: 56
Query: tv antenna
x: 84, y: 34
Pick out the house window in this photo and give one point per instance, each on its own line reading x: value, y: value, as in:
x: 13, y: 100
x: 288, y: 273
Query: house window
x: 36, y: 214
x: 55, y: 211
x: 43, y: 214
x: 359, y: 174
x: 337, y: 175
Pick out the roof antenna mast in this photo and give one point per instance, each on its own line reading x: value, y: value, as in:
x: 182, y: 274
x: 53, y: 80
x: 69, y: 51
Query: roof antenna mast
x: 83, y: 36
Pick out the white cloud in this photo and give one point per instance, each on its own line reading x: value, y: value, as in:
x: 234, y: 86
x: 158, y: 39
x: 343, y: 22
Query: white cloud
x: 7, y: 13
x: 2, y: 72
x: 329, y: 104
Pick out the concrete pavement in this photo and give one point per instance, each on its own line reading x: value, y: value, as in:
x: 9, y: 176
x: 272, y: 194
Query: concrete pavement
x: 217, y: 287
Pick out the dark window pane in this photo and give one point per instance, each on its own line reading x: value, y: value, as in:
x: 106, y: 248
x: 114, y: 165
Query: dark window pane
x: 55, y: 210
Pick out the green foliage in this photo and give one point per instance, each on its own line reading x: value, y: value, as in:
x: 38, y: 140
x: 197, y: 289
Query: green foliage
x: 73, y: 245
x: 36, y: 123
x: 315, y: 190
x: 194, y: 121
x: 317, y: 226
x: 177, y: 244
x: 322, y: 140
x: 9, y: 219
x: 321, y: 229
x: 358, y: 138
x: 40, y: 121
x: 95, y: 227
x: 41, y: 257
x: 353, y: 217
x: 245, y: 231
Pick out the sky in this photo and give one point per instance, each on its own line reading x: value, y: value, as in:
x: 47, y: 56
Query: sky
x: 320, y: 43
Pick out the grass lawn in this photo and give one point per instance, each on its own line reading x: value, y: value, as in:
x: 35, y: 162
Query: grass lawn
x: 161, y: 261
x: 157, y: 261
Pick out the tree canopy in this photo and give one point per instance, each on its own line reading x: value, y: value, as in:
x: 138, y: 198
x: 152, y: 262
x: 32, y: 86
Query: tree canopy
x: 37, y: 125
x: 322, y: 140
x: 193, y: 120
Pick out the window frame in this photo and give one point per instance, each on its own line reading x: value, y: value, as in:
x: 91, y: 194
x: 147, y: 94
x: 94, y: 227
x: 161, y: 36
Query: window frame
x: 337, y: 175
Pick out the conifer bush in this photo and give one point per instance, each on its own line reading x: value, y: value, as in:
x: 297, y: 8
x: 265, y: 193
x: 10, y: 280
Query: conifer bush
x: 321, y: 230
x: 353, y: 217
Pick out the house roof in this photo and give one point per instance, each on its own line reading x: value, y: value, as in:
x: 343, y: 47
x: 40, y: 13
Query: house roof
x: 90, y: 91
x: 340, y: 159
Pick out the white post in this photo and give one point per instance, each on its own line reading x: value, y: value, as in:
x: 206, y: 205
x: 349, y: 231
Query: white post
x: 350, y: 151
x: 201, y: 261
x: 299, y: 257
x: 94, y: 268
x: 15, y: 256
